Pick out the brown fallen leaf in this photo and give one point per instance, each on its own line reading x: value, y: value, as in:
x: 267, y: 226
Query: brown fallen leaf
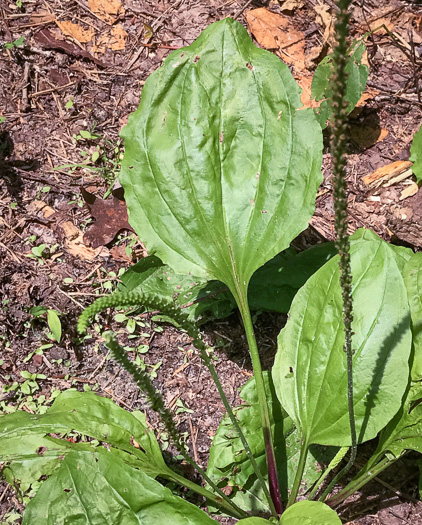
x: 76, y: 31
x: 115, y: 40
x: 405, y: 222
x: 108, y: 10
x: 326, y: 18
x: 72, y: 236
x: 119, y: 254
x: 273, y: 31
x: 110, y: 218
x: 305, y: 82
x: 46, y: 39
x: 380, y: 25
x: 369, y: 94
x: 291, y: 5
x: 366, y: 136
x: 386, y: 172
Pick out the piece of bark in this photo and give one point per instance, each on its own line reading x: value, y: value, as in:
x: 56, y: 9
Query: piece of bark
x: 386, y: 173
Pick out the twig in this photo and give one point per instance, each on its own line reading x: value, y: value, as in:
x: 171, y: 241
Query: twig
x: 240, y: 11
x: 51, y: 90
x: 193, y: 438
x: 26, y: 83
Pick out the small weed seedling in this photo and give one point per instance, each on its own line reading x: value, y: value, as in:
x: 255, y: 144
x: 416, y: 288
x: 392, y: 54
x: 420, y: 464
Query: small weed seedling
x: 101, y: 155
x: 221, y: 170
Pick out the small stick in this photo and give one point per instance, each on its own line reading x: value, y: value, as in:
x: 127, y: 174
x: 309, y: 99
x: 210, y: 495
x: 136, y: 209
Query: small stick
x: 26, y: 83
x: 240, y: 11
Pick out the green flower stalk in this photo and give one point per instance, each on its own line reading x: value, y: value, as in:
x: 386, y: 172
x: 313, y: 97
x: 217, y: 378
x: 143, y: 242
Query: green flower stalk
x: 137, y: 298
x: 338, y: 150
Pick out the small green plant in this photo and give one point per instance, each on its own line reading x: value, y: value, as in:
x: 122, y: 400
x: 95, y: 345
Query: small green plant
x: 220, y: 172
x: 53, y: 320
x: 16, y: 43
x: 102, y: 156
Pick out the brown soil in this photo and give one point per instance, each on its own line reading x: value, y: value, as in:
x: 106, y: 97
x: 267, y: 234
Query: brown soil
x: 50, y: 90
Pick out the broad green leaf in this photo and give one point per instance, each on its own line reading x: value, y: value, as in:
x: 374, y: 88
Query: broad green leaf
x: 309, y: 513
x: 357, y: 75
x: 416, y: 155
x: 272, y: 286
x: 28, y: 456
x: 413, y: 280
x: 310, y: 374
x: 200, y: 299
x: 54, y: 324
x: 99, y: 489
x: 404, y: 432
x: 88, y: 414
x: 220, y: 170
x: 255, y: 521
x: 228, y: 458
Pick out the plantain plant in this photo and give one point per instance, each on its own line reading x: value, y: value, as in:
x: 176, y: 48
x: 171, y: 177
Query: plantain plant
x: 221, y: 170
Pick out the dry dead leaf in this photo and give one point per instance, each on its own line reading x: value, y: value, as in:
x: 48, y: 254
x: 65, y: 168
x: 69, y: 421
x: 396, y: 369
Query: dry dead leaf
x: 377, y: 25
x: 73, y: 236
x: 368, y: 95
x: 273, y: 31
x: 76, y: 31
x: 108, y: 10
x: 291, y: 5
x: 386, y: 172
x: 119, y: 254
x: 110, y: 218
x: 115, y: 40
x: 326, y: 19
x: 366, y: 136
x: 305, y: 82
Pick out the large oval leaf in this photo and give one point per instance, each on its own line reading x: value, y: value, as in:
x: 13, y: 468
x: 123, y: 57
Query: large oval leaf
x: 310, y: 513
x: 22, y: 435
x: 220, y: 170
x: 99, y: 489
x: 310, y: 367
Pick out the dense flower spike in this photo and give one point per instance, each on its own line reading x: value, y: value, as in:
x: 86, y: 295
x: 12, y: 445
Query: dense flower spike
x: 338, y: 149
x: 139, y: 298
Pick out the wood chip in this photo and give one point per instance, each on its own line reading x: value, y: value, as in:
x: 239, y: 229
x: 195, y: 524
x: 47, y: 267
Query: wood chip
x: 385, y: 173
x: 409, y: 191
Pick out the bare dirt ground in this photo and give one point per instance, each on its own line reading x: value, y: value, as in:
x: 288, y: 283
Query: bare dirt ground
x: 65, y: 93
